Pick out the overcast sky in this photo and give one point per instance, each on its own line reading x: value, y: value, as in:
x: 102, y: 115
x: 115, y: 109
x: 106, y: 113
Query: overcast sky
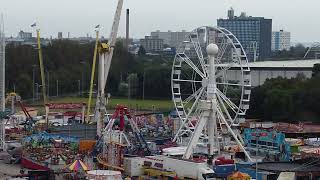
x: 79, y: 17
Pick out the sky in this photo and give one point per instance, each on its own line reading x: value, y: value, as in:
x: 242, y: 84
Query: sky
x: 79, y: 17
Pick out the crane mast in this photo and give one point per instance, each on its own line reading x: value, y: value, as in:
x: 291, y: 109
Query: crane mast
x: 43, y: 83
x: 105, y: 57
x: 92, y: 73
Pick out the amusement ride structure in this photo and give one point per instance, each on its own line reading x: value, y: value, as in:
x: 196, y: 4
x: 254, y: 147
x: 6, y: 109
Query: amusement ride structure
x: 105, y: 57
x: 315, y: 49
x: 118, y: 139
x: 209, y: 104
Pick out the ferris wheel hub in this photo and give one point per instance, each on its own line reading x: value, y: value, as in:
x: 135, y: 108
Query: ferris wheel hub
x: 212, y: 49
x: 205, y: 82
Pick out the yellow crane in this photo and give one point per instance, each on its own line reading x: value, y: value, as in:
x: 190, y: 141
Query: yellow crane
x: 43, y: 83
x: 92, y: 73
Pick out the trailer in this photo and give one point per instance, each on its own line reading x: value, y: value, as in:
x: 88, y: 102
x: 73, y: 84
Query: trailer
x: 162, y: 165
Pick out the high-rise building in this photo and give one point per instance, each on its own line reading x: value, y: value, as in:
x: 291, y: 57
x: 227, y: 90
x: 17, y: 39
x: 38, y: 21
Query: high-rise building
x: 24, y: 35
x: 152, y: 44
x: 60, y: 35
x: 250, y: 30
x: 280, y: 40
x: 172, y: 39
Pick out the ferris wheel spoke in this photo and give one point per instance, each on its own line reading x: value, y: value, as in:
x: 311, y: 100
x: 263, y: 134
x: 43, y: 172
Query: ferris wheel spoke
x: 186, y: 59
x: 186, y: 80
x: 223, y: 112
x: 229, y: 84
x: 192, y: 96
x: 197, y: 47
x: 227, y: 101
x: 194, y: 103
x: 224, y: 68
x: 222, y: 50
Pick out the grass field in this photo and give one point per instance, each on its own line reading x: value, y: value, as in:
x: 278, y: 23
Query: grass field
x: 159, y: 105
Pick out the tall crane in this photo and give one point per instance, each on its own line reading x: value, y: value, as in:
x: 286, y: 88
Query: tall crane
x: 43, y: 82
x: 105, y: 57
x: 93, y: 72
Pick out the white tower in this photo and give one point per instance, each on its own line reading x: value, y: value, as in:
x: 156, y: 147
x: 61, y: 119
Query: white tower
x: 2, y: 80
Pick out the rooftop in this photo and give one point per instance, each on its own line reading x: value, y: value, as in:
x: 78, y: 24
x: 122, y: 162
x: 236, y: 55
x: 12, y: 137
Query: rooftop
x: 288, y: 64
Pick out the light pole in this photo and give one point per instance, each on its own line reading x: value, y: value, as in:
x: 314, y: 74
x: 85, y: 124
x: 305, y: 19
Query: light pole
x: 33, y: 82
x: 48, y: 76
x: 129, y: 94
x: 79, y: 87
x: 83, y: 75
x: 57, y: 87
x: 144, y: 77
x: 37, y: 90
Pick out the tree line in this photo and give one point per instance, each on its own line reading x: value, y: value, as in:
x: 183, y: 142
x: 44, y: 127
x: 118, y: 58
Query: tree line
x: 141, y: 76
x: 70, y: 62
x: 289, y: 100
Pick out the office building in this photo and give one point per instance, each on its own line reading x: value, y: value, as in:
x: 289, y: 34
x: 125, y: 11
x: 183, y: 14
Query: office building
x: 24, y: 35
x: 254, y: 33
x: 170, y: 38
x: 60, y: 35
x: 152, y: 44
x: 280, y: 40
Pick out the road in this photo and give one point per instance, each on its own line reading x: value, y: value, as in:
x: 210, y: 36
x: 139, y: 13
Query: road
x: 8, y: 170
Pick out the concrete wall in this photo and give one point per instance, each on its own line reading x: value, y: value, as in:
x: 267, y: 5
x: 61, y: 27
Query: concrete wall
x: 259, y: 76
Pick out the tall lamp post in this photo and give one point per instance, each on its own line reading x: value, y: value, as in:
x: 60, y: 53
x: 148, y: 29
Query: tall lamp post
x: 79, y: 87
x: 33, y: 82
x: 83, y: 62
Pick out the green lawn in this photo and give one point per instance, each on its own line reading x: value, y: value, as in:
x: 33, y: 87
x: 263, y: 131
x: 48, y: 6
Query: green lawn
x: 159, y: 105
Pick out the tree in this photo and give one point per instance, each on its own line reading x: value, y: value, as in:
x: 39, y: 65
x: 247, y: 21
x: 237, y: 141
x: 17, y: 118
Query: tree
x: 316, y: 70
x: 141, y: 51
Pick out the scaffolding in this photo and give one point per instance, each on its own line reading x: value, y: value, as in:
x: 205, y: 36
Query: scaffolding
x: 2, y: 81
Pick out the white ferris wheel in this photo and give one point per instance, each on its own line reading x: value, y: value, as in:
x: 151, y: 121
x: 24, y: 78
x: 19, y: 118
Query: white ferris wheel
x: 218, y: 90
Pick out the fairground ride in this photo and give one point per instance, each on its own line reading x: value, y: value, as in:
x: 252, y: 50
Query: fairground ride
x: 121, y: 136
x: 105, y: 56
x: 211, y: 87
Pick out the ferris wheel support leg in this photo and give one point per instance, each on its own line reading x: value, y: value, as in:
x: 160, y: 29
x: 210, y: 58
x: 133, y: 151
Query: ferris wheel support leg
x: 196, y: 135
x: 231, y: 130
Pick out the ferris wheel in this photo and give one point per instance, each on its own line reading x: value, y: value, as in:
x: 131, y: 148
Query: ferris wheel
x: 192, y: 77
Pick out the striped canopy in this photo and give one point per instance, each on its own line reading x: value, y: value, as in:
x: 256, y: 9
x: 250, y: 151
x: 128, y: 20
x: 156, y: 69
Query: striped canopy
x: 78, y: 165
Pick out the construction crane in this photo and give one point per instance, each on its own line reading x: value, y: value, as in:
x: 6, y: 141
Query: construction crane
x: 43, y: 82
x: 41, y: 68
x: 93, y: 72
x: 105, y: 57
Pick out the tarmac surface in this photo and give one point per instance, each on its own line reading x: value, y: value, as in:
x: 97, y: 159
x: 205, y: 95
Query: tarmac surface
x: 8, y: 170
x: 312, y: 166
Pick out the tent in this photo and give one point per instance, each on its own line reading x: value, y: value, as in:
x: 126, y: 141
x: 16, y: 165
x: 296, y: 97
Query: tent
x: 239, y: 176
x: 77, y: 166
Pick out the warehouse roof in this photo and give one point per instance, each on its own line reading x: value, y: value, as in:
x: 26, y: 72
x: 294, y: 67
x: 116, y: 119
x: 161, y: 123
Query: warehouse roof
x: 308, y: 63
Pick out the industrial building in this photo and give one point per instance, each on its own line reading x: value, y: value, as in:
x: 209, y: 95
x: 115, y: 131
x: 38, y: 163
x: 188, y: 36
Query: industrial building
x: 254, y: 33
x: 263, y: 70
x: 280, y: 40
